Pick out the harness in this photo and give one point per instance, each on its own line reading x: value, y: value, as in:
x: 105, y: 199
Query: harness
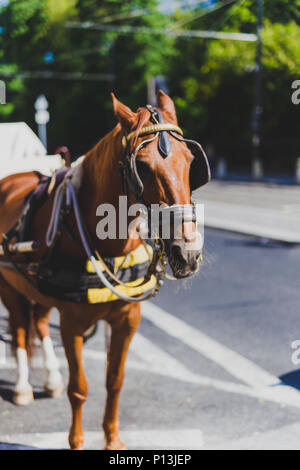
x: 100, y: 280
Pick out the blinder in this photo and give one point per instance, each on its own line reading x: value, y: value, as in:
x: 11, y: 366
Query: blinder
x: 164, y: 141
x: 200, y: 170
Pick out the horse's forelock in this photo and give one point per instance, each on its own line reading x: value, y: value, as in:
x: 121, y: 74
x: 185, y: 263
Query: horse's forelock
x: 142, y: 118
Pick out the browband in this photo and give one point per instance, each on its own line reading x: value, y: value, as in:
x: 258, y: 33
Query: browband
x: 152, y: 130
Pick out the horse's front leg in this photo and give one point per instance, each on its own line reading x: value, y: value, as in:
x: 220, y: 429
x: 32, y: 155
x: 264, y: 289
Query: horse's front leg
x: 124, y: 325
x: 78, y: 387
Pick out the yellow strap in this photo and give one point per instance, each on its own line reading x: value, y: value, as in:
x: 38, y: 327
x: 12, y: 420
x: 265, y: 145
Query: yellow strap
x: 152, y: 130
x: 97, y: 296
x: 135, y: 257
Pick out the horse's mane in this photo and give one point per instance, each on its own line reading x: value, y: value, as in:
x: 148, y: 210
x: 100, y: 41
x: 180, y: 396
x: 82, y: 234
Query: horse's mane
x: 142, y: 118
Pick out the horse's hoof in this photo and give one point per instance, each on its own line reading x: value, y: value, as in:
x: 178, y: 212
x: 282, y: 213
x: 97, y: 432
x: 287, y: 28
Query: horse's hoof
x: 54, y: 384
x: 76, y: 442
x: 81, y: 447
x: 54, y: 393
x: 115, y: 445
x: 23, y: 398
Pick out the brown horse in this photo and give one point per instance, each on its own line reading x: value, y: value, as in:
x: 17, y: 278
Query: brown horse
x: 165, y: 181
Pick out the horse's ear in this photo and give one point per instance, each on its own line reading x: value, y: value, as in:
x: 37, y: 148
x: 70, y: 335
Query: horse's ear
x: 167, y: 105
x: 126, y: 117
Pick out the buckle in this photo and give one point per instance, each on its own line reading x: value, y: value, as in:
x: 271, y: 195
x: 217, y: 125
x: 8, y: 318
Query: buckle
x: 33, y: 269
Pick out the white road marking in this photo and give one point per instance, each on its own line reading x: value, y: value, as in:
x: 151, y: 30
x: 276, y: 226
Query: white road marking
x: 151, y: 358
x: 263, y: 384
x: 154, y: 360
x: 238, y: 366
x: 160, y: 362
x: 285, y: 438
x: 134, y: 439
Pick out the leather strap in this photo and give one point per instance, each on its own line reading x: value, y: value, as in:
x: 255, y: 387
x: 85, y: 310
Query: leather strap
x: 152, y: 130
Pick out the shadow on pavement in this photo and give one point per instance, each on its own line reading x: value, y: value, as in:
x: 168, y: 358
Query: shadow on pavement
x: 6, y: 390
x: 292, y: 379
x: 9, y: 446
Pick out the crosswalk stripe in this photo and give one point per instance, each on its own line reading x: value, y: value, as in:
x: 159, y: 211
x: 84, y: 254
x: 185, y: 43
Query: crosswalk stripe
x: 284, y: 438
x: 258, y: 383
x: 139, y: 439
x: 263, y: 384
x: 238, y: 366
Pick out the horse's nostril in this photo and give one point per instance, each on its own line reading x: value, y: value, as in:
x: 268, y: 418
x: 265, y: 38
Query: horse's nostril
x: 183, y: 257
x: 177, y: 253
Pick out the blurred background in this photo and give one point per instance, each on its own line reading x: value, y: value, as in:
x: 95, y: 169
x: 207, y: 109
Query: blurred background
x: 232, y: 91
x: 215, y: 363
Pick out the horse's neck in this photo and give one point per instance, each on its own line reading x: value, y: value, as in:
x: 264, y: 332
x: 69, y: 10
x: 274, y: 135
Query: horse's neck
x: 101, y: 184
x: 100, y: 181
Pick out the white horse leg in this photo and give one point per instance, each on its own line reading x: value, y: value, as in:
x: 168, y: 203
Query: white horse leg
x: 53, y: 384
x: 23, y: 394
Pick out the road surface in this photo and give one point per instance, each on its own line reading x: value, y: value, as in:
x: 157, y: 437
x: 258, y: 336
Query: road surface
x: 210, y: 367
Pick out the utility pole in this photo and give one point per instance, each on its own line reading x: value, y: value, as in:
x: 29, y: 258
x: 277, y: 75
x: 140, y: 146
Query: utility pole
x: 154, y: 84
x: 257, y: 171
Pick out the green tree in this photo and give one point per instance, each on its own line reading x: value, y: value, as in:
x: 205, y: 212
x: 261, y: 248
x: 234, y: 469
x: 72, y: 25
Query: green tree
x: 81, y: 110
x: 212, y: 81
x: 214, y: 89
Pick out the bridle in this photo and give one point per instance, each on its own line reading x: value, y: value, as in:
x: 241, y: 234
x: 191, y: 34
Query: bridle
x: 131, y: 180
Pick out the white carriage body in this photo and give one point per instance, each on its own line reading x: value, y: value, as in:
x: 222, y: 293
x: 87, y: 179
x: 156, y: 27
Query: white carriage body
x: 21, y: 150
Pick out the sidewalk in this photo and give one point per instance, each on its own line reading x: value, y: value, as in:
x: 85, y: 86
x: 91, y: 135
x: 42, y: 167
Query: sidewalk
x: 263, y: 210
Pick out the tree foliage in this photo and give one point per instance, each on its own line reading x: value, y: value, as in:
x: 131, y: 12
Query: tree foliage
x: 81, y: 110
x: 212, y: 81
x: 214, y: 89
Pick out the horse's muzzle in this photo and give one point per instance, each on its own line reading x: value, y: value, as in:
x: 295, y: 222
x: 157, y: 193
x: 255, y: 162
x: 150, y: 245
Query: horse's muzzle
x: 184, y: 261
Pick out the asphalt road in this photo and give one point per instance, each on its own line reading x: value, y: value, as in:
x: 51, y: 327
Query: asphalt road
x: 210, y: 368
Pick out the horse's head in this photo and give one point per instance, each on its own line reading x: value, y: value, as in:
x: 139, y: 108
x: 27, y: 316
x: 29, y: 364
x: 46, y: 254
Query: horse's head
x: 158, y: 171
